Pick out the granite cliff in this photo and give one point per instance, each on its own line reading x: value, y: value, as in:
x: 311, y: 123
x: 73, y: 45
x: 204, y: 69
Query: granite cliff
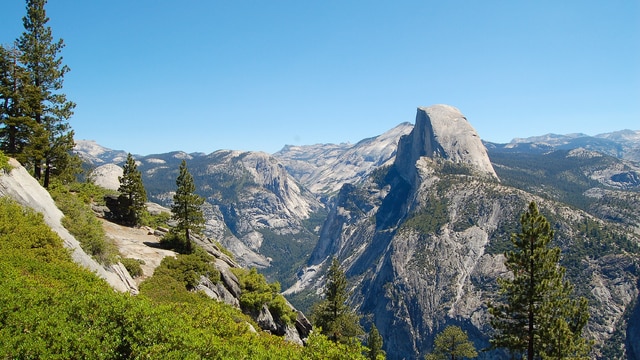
x: 422, y: 245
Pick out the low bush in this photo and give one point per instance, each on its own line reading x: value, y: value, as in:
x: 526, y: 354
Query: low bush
x: 132, y: 266
x: 83, y: 224
x: 256, y: 293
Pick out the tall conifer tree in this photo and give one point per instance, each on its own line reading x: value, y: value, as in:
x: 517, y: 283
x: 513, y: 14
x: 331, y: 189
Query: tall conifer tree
x: 15, y: 88
x: 333, y: 315
x: 51, y: 140
x: 536, y: 315
x: 187, y: 206
x: 374, y: 343
x: 133, y: 195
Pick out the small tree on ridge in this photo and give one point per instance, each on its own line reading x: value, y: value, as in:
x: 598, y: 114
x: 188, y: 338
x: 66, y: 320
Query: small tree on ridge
x: 186, y: 207
x: 133, y: 196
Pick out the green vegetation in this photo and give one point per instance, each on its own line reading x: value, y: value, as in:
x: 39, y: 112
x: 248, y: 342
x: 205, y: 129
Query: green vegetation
x: 291, y: 250
x: 332, y: 315
x: 52, y: 308
x: 34, y: 114
x: 133, y: 196
x: 379, y: 175
x: 374, y: 343
x: 430, y: 218
x: 132, y: 266
x: 452, y: 343
x: 82, y: 223
x: 256, y: 293
x: 4, y: 162
x: 538, y: 173
x: 536, y: 314
x: 186, y: 207
x: 155, y: 221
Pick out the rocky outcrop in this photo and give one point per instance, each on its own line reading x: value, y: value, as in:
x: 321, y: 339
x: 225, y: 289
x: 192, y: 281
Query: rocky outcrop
x: 24, y: 189
x: 228, y: 290
x: 107, y: 176
x: 441, y: 131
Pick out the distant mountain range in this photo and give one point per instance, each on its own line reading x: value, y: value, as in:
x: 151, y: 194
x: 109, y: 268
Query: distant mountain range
x: 419, y: 217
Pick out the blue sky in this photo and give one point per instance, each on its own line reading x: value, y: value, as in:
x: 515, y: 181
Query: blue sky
x: 152, y: 76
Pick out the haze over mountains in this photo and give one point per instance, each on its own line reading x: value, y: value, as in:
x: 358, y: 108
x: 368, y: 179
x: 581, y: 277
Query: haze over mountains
x: 419, y: 218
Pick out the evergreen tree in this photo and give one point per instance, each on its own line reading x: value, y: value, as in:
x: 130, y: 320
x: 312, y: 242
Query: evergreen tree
x: 452, y: 343
x: 332, y: 315
x: 536, y: 315
x: 374, y: 343
x: 133, y: 195
x: 15, y: 126
x: 186, y: 207
x: 51, y: 138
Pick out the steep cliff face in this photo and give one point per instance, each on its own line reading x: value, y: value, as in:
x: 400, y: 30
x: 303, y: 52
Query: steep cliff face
x: 441, y: 131
x: 423, y: 248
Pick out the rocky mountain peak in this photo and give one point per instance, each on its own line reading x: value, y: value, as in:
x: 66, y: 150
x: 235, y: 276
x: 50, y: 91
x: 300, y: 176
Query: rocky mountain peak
x: 441, y: 131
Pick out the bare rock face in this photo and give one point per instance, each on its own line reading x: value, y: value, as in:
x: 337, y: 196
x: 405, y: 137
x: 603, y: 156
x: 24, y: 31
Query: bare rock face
x: 107, y: 176
x: 441, y: 131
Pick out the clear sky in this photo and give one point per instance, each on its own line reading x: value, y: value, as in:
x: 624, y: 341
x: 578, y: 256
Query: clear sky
x: 152, y: 76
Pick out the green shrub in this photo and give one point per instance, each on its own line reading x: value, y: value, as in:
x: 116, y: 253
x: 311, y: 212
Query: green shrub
x: 4, y: 162
x: 155, y: 221
x: 132, y: 266
x: 256, y: 293
x: 89, y: 192
x: 187, y: 268
x: 83, y: 224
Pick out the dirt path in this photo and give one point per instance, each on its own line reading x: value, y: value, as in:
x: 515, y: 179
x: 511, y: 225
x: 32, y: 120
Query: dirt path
x: 137, y: 244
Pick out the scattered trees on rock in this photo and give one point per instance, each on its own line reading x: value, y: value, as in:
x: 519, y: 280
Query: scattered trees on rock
x: 133, y: 195
x: 535, y: 314
x: 336, y: 320
x: 186, y: 207
x: 452, y: 343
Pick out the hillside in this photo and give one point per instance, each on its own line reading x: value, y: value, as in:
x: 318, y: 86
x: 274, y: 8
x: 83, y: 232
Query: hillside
x: 37, y: 267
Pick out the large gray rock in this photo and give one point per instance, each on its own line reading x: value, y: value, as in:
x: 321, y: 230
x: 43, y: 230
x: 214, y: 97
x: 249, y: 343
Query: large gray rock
x: 441, y: 131
x: 107, y: 176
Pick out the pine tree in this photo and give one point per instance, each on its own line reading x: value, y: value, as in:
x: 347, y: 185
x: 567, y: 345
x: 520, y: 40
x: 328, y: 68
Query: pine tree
x: 452, y: 343
x: 332, y: 315
x: 374, y: 343
x: 535, y: 314
x: 51, y: 139
x: 186, y: 207
x: 133, y: 195
x: 15, y: 126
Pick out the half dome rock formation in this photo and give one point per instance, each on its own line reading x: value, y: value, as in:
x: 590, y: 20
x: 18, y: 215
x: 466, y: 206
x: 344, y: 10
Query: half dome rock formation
x: 441, y: 131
